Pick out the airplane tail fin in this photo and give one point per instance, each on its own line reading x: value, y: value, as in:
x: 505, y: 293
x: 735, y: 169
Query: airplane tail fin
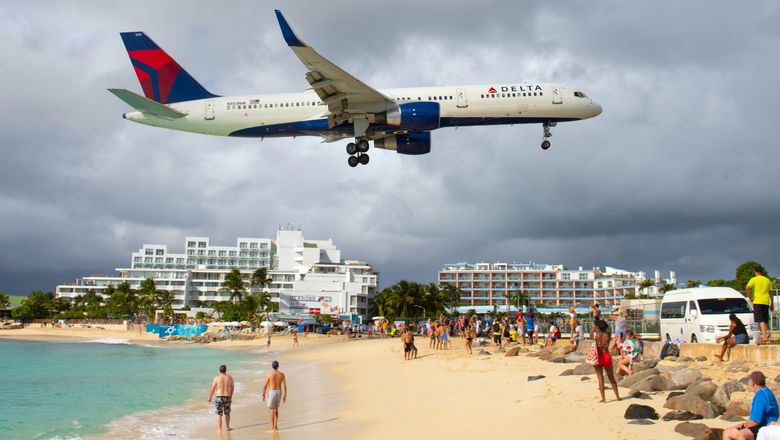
x: 162, y: 79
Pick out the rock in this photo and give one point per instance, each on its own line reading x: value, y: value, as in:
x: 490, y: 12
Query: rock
x: 584, y: 378
x: 686, y: 359
x: 674, y: 394
x: 649, y: 363
x: 671, y: 358
x: 680, y: 415
x: 583, y: 369
x: 662, y: 382
x: 739, y: 405
x: 630, y: 381
x: 722, y: 395
x: 732, y: 418
x: 636, y: 394
x: 500, y: 350
x: 737, y: 369
x: 484, y: 353
x: 567, y: 372
x: 641, y: 422
x: 702, y: 390
x: 684, y: 378
x: 777, y: 378
x: 636, y: 411
x: 744, y: 380
x: 669, y: 365
x: 537, y: 377
x: 694, y: 405
x: 533, y: 354
x: 512, y: 351
x: 696, y: 430
x: 574, y: 358
x: 558, y: 360
x: 701, y: 359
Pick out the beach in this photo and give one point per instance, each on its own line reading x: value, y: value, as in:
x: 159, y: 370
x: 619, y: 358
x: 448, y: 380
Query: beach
x: 365, y: 389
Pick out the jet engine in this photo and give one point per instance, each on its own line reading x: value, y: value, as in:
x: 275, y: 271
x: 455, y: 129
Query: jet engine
x: 411, y: 116
x: 410, y: 143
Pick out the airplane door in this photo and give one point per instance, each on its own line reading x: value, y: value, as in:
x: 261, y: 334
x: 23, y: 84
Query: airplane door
x: 209, y: 114
x: 557, y: 99
x: 462, y: 101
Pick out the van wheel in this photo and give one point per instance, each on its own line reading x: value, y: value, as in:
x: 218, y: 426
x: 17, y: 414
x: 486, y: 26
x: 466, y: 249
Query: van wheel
x: 693, y: 339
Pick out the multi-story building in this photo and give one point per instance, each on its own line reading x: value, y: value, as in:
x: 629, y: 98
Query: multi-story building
x: 308, y: 276
x: 485, y: 286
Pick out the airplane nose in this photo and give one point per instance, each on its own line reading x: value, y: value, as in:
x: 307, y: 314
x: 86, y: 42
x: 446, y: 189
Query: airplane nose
x: 596, y: 110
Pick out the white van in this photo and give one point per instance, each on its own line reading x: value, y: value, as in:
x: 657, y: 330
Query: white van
x: 702, y: 314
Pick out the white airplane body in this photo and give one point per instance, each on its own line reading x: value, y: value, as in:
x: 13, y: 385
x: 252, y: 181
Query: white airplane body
x: 338, y: 105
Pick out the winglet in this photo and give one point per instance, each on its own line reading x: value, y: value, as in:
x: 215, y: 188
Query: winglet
x: 287, y: 32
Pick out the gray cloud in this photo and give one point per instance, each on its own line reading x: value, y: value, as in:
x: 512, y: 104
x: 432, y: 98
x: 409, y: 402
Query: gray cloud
x: 678, y: 173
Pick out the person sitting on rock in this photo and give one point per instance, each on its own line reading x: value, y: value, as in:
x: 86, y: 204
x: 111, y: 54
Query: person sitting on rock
x: 629, y: 354
x: 763, y: 411
x: 737, y: 335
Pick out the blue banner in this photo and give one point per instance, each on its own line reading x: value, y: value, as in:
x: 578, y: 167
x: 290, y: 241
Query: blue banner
x: 176, y: 330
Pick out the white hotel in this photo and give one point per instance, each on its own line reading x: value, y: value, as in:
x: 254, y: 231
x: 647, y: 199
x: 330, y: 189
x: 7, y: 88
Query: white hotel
x: 308, y: 276
x: 484, y: 285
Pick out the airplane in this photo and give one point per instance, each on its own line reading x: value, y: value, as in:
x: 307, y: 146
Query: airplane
x: 337, y: 105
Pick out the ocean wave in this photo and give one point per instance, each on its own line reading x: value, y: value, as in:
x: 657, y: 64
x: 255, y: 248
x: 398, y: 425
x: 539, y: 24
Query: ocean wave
x: 118, y: 341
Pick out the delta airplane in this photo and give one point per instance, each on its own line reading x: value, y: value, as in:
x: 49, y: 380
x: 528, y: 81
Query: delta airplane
x: 337, y: 105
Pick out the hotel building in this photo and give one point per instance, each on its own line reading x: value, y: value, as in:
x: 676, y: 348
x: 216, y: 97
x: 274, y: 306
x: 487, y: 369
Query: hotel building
x: 484, y: 285
x: 308, y: 276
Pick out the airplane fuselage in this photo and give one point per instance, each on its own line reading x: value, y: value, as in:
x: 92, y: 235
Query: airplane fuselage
x: 304, y: 114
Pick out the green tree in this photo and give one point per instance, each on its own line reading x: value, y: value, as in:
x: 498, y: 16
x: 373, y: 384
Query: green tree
x: 745, y: 272
x: 261, y: 280
x: 630, y: 295
x: 37, y: 305
x: 666, y: 287
x: 717, y: 283
x: 5, y: 301
x: 165, y: 302
x: 147, y: 298
x: 234, y: 285
x: 692, y: 283
x: 123, y: 301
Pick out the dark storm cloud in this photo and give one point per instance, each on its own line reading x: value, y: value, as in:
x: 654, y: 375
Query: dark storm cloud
x: 677, y: 174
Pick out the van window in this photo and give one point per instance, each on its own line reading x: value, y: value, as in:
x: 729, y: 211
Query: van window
x: 692, y: 306
x: 673, y: 310
x: 724, y: 306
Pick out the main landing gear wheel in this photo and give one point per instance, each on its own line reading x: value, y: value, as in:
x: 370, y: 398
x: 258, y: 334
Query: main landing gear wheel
x: 352, y: 148
x: 353, y: 161
x: 363, y: 159
x: 357, y: 152
x: 546, y: 127
x: 362, y: 146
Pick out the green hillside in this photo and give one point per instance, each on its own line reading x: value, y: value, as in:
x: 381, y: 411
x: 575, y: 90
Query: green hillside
x: 16, y: 300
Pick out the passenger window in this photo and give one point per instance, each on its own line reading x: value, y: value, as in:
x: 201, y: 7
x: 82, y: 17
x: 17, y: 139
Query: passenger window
x: 482, y: 96
x: 450, y: 96
x: 502, y: 95
x: 673, y: 310
x: 419, y: 99
x: 540, y: 93
x: 692, y: 307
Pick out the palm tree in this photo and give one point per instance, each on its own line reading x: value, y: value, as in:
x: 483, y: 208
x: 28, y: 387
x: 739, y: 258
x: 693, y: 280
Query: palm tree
x: 5, y: 301
x: 234, y: 285
x: 692, y: 283
x: 261, y: 279
x: 125, y: 299
x: 666, y: 287
x: 147, y: 298
x: 165, y: 301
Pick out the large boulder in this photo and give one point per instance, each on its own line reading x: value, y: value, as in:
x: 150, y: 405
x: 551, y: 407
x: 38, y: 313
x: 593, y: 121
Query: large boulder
x: 663, y: 382
x: 684, y: 378
x: 681, y: 416
x: 699, y: 431
x: 703, y: 390
x: 694, y: 405
x: 574, y: 358
x: 563, y: 350
x: 739, y: 405
x: 668, y: 365
x: 583, y: 369
x: 512, y: 351
x: 649, y: 363
x: 722, y: 395
x: 635, y: 411
x: 629, y: 381
x: 567, y: 372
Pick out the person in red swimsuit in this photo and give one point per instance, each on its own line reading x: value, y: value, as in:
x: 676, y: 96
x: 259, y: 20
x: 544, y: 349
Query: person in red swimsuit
x: 601, y: 337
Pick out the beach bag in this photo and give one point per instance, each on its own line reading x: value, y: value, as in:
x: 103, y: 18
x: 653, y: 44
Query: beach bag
x: 592, y: 357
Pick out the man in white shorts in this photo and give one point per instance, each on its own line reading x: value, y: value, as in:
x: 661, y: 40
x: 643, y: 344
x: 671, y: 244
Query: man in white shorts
x: 274, y: 393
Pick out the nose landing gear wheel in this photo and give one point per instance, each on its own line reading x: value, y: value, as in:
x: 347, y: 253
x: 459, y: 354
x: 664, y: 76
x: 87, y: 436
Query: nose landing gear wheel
x: 353, y: 161
x: 363, y: 159
x: 545, y: 145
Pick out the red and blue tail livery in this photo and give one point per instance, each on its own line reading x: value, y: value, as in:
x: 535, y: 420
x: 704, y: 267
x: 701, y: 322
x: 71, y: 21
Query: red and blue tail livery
x: 162, y: 78
x: 337, y: 105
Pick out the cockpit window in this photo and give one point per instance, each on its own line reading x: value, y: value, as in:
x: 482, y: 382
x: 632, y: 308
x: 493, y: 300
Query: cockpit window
x: 580, y: 95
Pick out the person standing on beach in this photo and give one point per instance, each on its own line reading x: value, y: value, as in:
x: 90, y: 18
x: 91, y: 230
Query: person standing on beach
x: 295, y: 338
x: 410, y: 351
x: 274, y: 393
x: 223, y: 387
x: 470, y: 334
x: 572, y: 322
x: 757, y: 290
x: 601, y: 338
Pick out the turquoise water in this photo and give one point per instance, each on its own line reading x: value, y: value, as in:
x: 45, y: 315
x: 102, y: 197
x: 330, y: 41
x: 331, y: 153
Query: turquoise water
x: 67, y: 390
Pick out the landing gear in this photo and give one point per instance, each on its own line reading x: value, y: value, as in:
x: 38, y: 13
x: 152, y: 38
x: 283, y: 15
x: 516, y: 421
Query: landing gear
x: 357, y: 153
x: 546, y: 127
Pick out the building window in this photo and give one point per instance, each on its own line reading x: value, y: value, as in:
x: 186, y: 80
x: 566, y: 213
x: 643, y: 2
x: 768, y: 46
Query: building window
x: 202, y: 244
x: 190, y: 244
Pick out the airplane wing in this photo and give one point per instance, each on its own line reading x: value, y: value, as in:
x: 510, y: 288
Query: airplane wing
x: 346, y: 96
x: 147, y: 106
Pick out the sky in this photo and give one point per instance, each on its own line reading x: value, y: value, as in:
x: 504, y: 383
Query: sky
x: 680, y: 172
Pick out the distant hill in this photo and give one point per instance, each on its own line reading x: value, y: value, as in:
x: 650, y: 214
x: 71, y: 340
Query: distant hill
x: 16, y: 300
